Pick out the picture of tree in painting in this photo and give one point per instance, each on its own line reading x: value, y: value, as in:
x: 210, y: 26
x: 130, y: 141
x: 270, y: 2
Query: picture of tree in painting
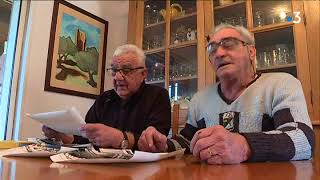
x: 78, y: 54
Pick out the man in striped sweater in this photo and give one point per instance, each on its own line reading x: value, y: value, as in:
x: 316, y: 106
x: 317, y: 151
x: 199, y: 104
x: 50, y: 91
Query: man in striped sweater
x: 245, y: 116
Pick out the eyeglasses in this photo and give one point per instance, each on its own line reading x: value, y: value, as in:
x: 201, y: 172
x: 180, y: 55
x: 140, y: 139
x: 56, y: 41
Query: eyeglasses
x: 228, y: 43
x: 123, y: 71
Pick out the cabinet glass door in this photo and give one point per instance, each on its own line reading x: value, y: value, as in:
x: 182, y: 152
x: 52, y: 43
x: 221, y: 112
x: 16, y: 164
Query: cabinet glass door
x: 271, y: 12
x: 275, y: 51
x: 183, y: 73
x: 155, y: 63
x: 154, y: 41
x: 154, y: 25
x: 230, y: 12
x: 183, y: 66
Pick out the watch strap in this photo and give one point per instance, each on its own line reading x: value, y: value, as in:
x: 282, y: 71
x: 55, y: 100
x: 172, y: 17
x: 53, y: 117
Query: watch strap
x: 125, y: 136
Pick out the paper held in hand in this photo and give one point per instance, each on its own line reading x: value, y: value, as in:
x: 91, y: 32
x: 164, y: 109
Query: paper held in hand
x: 66, y: 121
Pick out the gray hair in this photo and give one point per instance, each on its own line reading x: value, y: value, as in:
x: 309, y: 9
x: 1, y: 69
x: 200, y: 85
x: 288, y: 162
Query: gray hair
x: 131, y: 48
x: 247, y: 35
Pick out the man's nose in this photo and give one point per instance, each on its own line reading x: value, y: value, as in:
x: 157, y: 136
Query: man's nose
x: 221, y: 52
x: 118, y: 76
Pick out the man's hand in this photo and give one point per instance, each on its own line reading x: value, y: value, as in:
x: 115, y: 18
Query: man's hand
x: 50, y: 133
x: 152, y: 140
x: 102, y: 135
x: 216, y: 145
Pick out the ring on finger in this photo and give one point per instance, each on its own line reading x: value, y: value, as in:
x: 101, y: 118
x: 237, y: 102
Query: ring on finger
x: 210, y: 152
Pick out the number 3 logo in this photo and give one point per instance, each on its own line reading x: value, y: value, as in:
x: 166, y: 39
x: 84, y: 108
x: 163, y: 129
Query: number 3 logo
x: 297, y: 17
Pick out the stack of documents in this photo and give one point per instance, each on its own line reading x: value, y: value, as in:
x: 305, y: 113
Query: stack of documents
x: 62, y: 154
x: 125, y: 156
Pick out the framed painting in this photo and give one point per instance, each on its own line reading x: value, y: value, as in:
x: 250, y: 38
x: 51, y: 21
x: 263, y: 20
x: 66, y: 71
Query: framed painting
x: 77, y: 52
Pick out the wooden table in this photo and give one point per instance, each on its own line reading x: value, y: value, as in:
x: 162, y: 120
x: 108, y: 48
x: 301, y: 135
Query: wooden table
x: 179, y: 168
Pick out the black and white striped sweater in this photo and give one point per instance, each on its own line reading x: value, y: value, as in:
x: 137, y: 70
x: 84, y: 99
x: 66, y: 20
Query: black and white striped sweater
x: 271, y: 114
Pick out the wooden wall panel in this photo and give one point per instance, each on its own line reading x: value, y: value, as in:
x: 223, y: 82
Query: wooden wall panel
x: 312, y: 14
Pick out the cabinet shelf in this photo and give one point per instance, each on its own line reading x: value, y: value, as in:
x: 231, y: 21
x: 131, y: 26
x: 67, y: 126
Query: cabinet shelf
x: 184, y: 16
x: 229, y: 5
x: 155, y: 82
x: 271, y: 27
x: 155, y: 50
x: 183, y: 44
x: 154, y: 25
x: 184, y: 78
x: 278, y: 67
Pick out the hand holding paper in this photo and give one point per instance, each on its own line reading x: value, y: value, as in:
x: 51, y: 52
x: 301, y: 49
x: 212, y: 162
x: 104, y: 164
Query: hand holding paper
x: 66, y: 121
x: 102, y: 135
x: 57, y: 136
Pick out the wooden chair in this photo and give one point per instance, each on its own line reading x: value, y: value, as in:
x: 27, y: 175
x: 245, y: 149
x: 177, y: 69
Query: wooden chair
x: 179, y: 118
x: 175, y: 120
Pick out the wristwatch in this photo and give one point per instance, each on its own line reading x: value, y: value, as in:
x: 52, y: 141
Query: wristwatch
x: 125, y: 142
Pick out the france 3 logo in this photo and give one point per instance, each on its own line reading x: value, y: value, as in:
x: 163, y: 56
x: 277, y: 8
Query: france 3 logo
x: 295, y: 17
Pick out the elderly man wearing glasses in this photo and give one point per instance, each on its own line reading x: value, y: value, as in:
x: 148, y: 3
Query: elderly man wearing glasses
x: 118, y: 116
x: 245, y: 116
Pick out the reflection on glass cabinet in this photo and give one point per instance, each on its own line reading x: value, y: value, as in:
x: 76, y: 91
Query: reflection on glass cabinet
x: 152, y: 12
x: 154, y: 25
x: 229, y: 12
x: 155, y: 64
x: 182, y: 91
x: 153, y: 38
x: 275, y: 50
x: 183, y: 73
x: 270, y: 12
x: 179, y: 47
x: 184, y: 24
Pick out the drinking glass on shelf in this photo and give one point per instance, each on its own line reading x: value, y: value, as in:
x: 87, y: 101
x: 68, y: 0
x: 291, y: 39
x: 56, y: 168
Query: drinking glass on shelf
x: 260, y: 58
x: 267, y: 58
x: 227, y: 20
x: 274, y: 56
x: 242, y: 21
x: 154, y: 74
x: 156, y: 41
x: 283, y: 53
x: 275, y: 19
x: 147, y: 44
x: 155, y: 14
x: 259, y: 18
x: 292, y: 55
x: 147, y: 15
x: 234, y: 21
x: 181, y: 70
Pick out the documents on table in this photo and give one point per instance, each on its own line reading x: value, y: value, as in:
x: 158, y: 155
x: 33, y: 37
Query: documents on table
x: 66, y: 121
x: 111, y: 156
x: 61, y: 154
x: 36, y: 150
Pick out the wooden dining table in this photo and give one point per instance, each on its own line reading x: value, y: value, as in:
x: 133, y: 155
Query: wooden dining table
x: 184, y: 167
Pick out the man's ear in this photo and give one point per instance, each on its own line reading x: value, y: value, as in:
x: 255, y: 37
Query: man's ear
x: 145, y: 73
x: 252, y: 52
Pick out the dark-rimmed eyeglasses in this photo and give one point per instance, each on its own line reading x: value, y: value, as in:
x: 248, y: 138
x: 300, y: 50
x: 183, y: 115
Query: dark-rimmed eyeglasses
x: 228, y: 43
x: 123, y: 71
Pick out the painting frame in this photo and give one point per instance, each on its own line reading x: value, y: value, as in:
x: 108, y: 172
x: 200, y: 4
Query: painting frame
x: 76, y: 58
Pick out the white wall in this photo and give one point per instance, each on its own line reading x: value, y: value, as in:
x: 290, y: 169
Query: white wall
x: 35, y: 99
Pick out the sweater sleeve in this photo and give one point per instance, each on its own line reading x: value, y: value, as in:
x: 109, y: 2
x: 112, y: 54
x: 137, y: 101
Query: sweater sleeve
x: 293, y: 137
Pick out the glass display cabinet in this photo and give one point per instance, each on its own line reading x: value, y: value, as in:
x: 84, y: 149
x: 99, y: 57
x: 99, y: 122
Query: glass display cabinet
x: 170, y: 42
x: 172, y: 34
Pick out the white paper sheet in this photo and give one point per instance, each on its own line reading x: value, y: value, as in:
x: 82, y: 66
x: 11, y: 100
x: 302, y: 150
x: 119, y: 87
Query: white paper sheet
x: 66, y: 121
x: 138, y: 156
x: 33, y: 150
